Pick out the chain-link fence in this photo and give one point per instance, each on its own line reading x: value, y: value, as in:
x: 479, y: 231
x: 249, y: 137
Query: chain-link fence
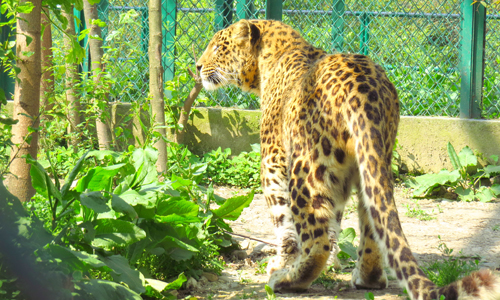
x: 420, y: 43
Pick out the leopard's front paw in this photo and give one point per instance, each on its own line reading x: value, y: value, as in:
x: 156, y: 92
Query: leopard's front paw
x: 282, y: 281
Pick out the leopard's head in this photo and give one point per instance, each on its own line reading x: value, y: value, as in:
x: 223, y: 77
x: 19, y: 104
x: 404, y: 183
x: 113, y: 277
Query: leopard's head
x: 230, y: 58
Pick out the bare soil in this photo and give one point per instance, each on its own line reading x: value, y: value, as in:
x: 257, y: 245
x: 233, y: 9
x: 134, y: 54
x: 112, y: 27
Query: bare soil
x: 471, y: 229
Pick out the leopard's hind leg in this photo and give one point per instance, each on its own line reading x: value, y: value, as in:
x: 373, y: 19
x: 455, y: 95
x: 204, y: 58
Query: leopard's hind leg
x: 369, y: 272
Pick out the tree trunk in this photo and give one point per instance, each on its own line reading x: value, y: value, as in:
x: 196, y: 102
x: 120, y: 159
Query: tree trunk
x: 26, y: 101
x: 96, y: 52
x: 156, y: 81
x: 47, y: 82
x: 71, y: 82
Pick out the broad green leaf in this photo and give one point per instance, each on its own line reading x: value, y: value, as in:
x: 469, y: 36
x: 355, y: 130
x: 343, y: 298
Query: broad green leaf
x: 485, y: 194
x: 67, y: 257
x: 495, y: 189
x: 232, y: 208
x: 95, y: 201
x: 465, y: 194
x: 161, y: 286
x: 116, y: 233
x: 99, y: 23
x: 123, y: 273
x: 102, y: 289
x: 346, y: 237
x: 176, y: 219
x: 178, y: 182
x: 135, y: 198
x: 72, y: 175
x: 102, y: 154
x: 218, y: 199
x: 25, y: 8
x: 76, y: 260
x: 490, y: 169
x: 144, y: 163
x: 120, y: 205
x: 41, y: 181
x: 426, y: 182
x: 178, y: 207
x: 98, y: 178
x: 455, y: 161
x: 90, y: 259
x: 79, y: 4
x: 269, y: 291
x: 467, y: 157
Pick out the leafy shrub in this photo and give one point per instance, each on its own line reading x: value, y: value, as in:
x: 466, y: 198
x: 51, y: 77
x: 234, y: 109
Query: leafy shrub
x: 449, y: 270
x: 242, y: 170
x: 119, y: 224
x: 466, y: 180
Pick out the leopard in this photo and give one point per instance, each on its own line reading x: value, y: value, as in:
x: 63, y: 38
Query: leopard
x: 328, y: 127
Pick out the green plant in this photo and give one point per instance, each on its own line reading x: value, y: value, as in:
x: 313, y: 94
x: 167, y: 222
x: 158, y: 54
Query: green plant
x: 261, y: 266
x: 450, y: 269
x: 120, y: 215
x: 327, y: 279
x: 496, y: 227
x: 242, y: 170
x: 465, y: 180
x: 347, y: 254
x: 369, y: 296
x: 417, y: 212
x: 270, y: 295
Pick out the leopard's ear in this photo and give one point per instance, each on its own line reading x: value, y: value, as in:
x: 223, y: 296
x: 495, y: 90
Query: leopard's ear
x: 246, y: 32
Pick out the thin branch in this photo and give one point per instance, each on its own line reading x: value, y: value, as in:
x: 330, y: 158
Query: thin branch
x: 250, y: 238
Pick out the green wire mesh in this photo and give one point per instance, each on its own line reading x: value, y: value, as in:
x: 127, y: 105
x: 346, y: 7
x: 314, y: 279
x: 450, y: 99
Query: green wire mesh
x: 491, y: 90
x: 418, y: 42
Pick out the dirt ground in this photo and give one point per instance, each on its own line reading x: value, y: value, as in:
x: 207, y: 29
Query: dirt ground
x: 472, y: 230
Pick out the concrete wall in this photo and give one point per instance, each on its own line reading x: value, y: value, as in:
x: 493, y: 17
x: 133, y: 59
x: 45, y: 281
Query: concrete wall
x: 422, y: 140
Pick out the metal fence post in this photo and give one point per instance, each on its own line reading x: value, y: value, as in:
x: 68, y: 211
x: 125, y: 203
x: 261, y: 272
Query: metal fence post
x: 245, y: 9
x: 472, y: 58
x: 79, y: 27
x: 223, y: 14
x: 338, y: 25
x: 169, y: 20
x: 274, y: 10
x: 365, y: 33
x: 7, y: 83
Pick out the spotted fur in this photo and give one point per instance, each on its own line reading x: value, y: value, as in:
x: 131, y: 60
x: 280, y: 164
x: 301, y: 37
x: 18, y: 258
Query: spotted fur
x: 328, y: 124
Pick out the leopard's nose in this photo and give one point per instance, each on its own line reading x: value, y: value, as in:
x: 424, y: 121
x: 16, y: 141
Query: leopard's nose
x: 198, y: 67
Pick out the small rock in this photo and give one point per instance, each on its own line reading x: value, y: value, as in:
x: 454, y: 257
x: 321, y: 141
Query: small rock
x: 203, y: 280
x: 240, y: 254
x: 452, y: 196
x: 192, y: 284
x: 174, y: 293
x: 225, y: 278
x: 245, y: 244
x: 210, y: 276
